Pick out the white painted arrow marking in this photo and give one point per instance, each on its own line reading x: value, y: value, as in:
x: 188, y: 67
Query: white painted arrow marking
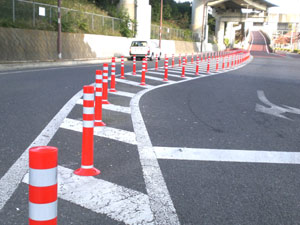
x: 117, y: 202
x: 273, y: 110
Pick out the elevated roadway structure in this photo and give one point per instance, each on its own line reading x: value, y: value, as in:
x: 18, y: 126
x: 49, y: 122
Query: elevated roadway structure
x: 228, y: 13
x: 229, y: 17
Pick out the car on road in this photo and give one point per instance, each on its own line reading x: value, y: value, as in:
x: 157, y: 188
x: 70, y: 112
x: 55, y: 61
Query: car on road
x: 141, y: 48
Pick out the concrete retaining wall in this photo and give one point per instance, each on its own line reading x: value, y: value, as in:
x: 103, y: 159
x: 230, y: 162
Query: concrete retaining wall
x: 37, y: 45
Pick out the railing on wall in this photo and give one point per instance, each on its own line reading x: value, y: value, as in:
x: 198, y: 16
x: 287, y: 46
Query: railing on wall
x: 173, y: 34
x: 28, y: 14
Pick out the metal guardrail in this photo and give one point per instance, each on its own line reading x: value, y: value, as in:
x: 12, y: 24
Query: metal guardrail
x: 27, y: 14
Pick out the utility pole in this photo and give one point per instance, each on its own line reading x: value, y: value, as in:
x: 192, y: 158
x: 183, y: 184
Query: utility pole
x: 59, y: 30
x: 160, y: 28
x: 14, y: 10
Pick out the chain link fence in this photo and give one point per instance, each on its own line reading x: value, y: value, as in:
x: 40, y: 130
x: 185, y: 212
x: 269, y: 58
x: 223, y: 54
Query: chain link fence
x: 173, y: 34
x: 34, y: 15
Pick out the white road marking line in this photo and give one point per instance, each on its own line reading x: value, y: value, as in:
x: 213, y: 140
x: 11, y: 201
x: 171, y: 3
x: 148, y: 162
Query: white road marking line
x: 133, y: 83
x: 170, y: 75
x: 226, y: 155
x: 123, y: 93
x: 160, y: 200
x: 192, y: 75
x: 190, y: 70
x: 100, y: 196
x: 274, y: 110
x: 180, y: 72
x: 12, y: 178
x: 152, y: 78
x: 107, y: 132
x: 112, y: 107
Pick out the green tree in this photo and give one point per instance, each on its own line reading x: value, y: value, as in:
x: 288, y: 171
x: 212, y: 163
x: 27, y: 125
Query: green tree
x: 108, y: 5
x: 167, y: 12
x: 173, y: 12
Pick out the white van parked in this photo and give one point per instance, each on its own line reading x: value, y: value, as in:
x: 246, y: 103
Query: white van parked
x: 141, y: 48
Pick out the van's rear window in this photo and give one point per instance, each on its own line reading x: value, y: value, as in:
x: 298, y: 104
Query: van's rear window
x: 139, y: 44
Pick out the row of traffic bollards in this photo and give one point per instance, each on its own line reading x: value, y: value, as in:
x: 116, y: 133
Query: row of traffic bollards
x: 43, y: 159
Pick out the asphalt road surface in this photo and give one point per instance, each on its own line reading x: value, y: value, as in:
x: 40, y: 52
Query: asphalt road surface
x: 226, y: 146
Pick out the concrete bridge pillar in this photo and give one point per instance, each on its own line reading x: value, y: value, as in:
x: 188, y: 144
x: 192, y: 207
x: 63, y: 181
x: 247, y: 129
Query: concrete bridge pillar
x: 199, y: 16
x: 143, y: 19
x: 230, y: 33
x: 139, y: 10
x: 220, y: 30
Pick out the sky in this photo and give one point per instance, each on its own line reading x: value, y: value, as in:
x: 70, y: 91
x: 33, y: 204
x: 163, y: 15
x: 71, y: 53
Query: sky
x: 285, y: 6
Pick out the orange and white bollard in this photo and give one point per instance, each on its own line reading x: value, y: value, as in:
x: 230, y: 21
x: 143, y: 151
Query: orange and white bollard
x: 98, y: 100
x: 113, y: 76
x: 105, y: 84
x: 217, y: 64
x: 43, y: 185
x: 134, y: 66
x: 87, y: 156
x: 183, y: 70
x: 173, y: 60
x: 197, y: 66
x: 156, y: 62
x: 122, y: 68
x: 179, y: 60
x: 232, y: 61
x: 146, y: 60
x: 166, y: 69
x: 201, y: 57
x: 143, y: 81
x: 208, y: 66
